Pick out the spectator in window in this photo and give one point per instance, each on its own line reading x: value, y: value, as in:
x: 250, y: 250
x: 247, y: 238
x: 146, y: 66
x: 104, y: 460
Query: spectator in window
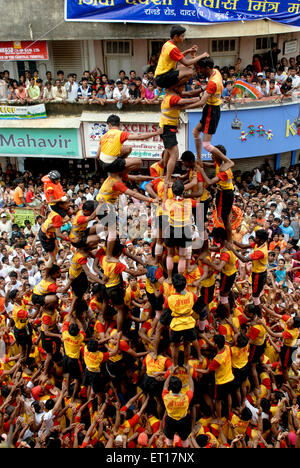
x: 71, y: 88
x: 134, y: 94
x: 21, y: 93
x: 120, y: 94
x: 140, y: 86
x: 59, y: 92
x: 109, y: 89
x: 84, y: 91
x: 33, y: 91
x: 101, y: 96
x: 257, y: 63
x: 36, y: 75
x: 7, y: 78
x: 271, y: 57
x: 48, y: 92
x: 61, y: 76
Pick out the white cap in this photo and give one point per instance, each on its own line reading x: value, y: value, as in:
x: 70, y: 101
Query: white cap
x: 3, y: 215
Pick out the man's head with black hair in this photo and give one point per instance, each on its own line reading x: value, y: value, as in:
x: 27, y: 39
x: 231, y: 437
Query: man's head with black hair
x: 175, y: 384
x: 177, y: 31
x: 113, y: 121
x: 179, y: 282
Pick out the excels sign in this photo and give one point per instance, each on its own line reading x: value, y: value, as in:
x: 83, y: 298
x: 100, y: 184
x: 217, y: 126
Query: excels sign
x: 56, y: 143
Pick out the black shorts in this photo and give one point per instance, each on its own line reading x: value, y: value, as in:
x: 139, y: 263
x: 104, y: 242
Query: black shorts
x: 94, y: 379
x: 226, y: 283
x: 258, y: 283
x: 287, y: 355
x: 48, y: 244
x: 115, y: 369
x: 182, y: 427
x: 118, y: 165
x: 167, y: 79
x: 224, y: 202
x: 38, y: 300
x: 23, y: 336
x: 80, y: 285
x: 241, y: 375
x: 207, y: 294
x: 116, y: 295
x: 50, y: 344
x: 169, y: 137
x: 178, y: 237
x: 166, y: 318
x: 151, y: 386
x: 256, y: 352
x: 222, y: 391
x: 157, y: 303
x: 186, y: 335
x: 83, y: 239
x: 161, y: 222
x: 210, y: 119
x: 72, y: 367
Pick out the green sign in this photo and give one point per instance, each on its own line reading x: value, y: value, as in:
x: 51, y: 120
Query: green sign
x: 32, y: 142
x: 22, y: 215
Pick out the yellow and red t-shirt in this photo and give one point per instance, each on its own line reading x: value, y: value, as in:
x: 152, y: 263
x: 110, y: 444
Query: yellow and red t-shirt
x: 169, y: 113
x: 54, y: 221
x: 169, y: 56
x: 215, y: 88
x: 112, y: 271
x: 78, y: 260
x: 181, y: 306
x: 93, y: 360
x: 52, y: 190
x: 222, y: 366
x: 110, y: 190
x: 111, y: 144
x: 72, y: 344
x: 177, y: 405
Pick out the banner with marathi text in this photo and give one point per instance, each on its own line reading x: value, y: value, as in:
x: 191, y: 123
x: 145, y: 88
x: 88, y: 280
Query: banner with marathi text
x: 22, y: 112
x: 182, y: 11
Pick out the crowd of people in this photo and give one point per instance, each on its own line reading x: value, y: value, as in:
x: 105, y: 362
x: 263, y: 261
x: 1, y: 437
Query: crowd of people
x: 268, y: 74
x: 157, y: 310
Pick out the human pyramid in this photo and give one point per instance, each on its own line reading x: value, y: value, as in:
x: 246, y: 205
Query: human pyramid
x: 199, y: 339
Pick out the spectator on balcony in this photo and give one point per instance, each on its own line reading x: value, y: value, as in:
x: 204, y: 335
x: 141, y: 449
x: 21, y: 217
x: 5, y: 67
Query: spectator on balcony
x: 280, y: 75
x: 274, y: 88
x: 145, y: 80
x: 84, y: 91
x: 48, y: 92
x: 21, y: 93
x: 120, y: 94
x: 227, y: 90
x: 61, y: 76
x: 33, y: 91
x: 284, y: 64
x: 7, y: 78
x: 27, y: 78
x: 101, y: 96
x: 71, y: 88
x: 104, y: 79
x: 287, y: 87
x: 295, y: 78
x: 39, y: 83
x: 134, y: 94
x: 159, y: 93
x: 86, y: 75
x: 36, y: 75
x: 257, y: 65
x: 132, y: 76
x: 109, y: 89
x: 11, y: 94
x: 97, y: 84
x: 59, y: 92
x: 122, y: 75
x: 140, y: 86
x: 49, y: 76
x: 150, y: 97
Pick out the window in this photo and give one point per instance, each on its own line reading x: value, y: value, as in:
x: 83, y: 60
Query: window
x: 156, y: 47
x: 263, y: 43
x: 223, y: 45
x: 118, y: 47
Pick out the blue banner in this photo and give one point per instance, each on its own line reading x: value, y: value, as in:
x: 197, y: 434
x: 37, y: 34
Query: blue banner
x: 264, y: 131
x: 182, y: 11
